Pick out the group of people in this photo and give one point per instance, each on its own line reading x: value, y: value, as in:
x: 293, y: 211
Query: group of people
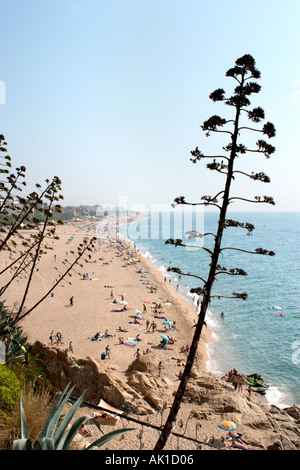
x: 57, y: 339
x: 151, y: 326
x: 236, y: 379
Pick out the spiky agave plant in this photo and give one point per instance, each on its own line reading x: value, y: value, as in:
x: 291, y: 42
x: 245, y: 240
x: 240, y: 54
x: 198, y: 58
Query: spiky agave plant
x: 54, y: 437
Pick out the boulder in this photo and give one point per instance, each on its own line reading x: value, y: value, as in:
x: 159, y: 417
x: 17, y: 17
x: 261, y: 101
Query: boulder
x: 145, y: 363
x: 153, y: 389
x: 96, y: 379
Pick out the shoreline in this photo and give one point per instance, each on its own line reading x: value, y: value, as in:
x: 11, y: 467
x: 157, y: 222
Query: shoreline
x: 92, y: 304
x: 212, y: 336
x: 191, y: 310
x: 115, y: 266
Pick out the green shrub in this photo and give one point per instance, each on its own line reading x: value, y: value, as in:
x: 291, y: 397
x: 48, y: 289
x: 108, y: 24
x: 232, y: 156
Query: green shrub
x: 10, y: 389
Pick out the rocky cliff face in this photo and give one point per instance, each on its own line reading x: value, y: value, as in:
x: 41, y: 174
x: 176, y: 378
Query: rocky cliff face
x: 207, y: 400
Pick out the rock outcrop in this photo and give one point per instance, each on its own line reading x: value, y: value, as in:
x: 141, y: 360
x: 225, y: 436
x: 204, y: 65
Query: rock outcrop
x: 141, y: 391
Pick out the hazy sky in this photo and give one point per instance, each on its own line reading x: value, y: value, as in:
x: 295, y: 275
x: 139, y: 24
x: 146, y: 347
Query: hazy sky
x: 109, y: 95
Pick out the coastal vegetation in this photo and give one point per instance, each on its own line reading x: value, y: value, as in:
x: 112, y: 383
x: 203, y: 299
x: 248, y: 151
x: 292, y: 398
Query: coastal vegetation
x: 58, y: 433
x: 245, y: 74
x: 27, y: 226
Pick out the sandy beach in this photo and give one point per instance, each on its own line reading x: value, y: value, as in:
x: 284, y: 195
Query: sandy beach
x: 114, y: 272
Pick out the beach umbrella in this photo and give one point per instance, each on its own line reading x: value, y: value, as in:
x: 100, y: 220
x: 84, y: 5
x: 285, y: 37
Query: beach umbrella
x: 137, y: 311
x: 167, y: 322
x: 121, y: 295
x: 165, y: 337
x: 122, y: 302
x: 167, y: 303
x: 227, y: 425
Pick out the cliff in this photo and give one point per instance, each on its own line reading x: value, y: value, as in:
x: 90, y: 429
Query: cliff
x: 143, y: 395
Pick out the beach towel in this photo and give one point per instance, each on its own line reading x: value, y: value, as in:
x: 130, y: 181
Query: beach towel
x: 131, y: 345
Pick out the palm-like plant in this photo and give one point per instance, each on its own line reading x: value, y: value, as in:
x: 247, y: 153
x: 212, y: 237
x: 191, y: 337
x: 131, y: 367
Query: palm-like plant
x: 13, y: 337
x: 57, y: 437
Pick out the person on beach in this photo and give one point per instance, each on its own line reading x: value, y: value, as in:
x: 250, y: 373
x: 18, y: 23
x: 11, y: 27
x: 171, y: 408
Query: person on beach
x: 84, y: 431
x: 240, y: 382
x: 72, y: 301
x: 234, y: 379
x: 96, y: 337
x: 51, y: 337
x: 123, y: 330
x: 238, y: 437
x: 107, y: 334
x: 58, y: 338
x: 107, y: 351
x: 71, y: 347
x: 137, y: 353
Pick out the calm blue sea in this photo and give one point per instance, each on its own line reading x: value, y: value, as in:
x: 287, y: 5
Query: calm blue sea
x: 259, y: 335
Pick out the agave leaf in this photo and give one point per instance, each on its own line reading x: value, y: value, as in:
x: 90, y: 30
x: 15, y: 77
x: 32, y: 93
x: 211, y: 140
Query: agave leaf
x: 22, y: 444
x: 44, y: 444
x: 67, y: 419
x: 24, y: 430
x: 107, y: 437
x: 54, y: 416
x: 66, y: 440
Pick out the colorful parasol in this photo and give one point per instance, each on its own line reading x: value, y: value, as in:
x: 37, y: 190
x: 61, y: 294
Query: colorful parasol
x: 227, y: 425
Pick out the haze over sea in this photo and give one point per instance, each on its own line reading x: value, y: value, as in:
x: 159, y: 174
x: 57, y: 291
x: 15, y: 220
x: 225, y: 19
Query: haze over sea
x: 258, y: 335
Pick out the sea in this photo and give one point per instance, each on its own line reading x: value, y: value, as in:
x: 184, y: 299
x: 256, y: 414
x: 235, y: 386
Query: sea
x: 260, y: 334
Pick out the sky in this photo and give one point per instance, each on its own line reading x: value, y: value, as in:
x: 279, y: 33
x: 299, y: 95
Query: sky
x: 109, y: 95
